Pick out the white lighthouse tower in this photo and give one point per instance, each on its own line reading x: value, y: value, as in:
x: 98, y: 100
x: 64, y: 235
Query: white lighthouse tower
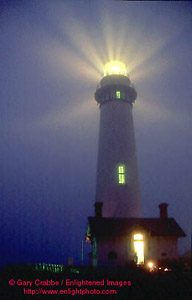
x: 117, y: 187
x: 118, y: 234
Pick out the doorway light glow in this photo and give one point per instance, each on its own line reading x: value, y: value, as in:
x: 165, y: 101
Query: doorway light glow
x: 138, y: 237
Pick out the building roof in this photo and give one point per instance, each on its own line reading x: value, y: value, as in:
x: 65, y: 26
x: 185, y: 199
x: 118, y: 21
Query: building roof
x: 103, y: 227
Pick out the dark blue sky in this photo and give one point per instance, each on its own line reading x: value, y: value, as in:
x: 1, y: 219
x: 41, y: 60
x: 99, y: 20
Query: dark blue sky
x: 51, y: 59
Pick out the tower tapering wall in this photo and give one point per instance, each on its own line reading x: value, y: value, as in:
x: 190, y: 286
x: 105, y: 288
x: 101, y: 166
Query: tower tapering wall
x: 117, y: 147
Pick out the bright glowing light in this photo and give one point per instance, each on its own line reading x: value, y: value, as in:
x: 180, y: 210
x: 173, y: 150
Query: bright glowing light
x: 118, y: 94
x: 115, y: 67
x: 121, y: 170
x: 139, y: 248
x: 138, y: 237
x: 166, y: 270
x: 114, y: 45
x: 150, y: 265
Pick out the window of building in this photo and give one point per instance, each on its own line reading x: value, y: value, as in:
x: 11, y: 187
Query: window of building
x: 118, y: 94
x: 121, y: 173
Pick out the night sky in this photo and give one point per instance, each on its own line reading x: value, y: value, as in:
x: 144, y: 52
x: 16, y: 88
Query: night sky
x: 51, y: 59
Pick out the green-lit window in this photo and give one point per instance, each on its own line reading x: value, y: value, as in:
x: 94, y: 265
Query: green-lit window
x: 118, y: 94
x: 121, y: 173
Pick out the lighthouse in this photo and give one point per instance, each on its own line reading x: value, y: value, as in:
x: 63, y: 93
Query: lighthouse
x: 117, y: 186
x: 118, y: 233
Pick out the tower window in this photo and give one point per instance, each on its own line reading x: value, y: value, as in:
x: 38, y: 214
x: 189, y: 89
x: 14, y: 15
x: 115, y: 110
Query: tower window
x: 121, y: 171
x: 118, y: 94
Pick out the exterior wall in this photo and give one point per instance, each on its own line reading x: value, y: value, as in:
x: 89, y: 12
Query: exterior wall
x: 105, y: 246
x: 159, y: 245
x: 124, y: 247
x: 117, y: 146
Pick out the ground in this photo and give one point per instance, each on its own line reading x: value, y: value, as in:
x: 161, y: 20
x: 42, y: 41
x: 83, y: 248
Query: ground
x: 128, y: 283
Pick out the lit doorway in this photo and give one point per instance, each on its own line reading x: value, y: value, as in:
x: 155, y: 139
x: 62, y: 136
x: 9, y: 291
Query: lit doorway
x: 138, y: 249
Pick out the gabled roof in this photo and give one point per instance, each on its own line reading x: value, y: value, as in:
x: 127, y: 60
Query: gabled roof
x: 103, y: 227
